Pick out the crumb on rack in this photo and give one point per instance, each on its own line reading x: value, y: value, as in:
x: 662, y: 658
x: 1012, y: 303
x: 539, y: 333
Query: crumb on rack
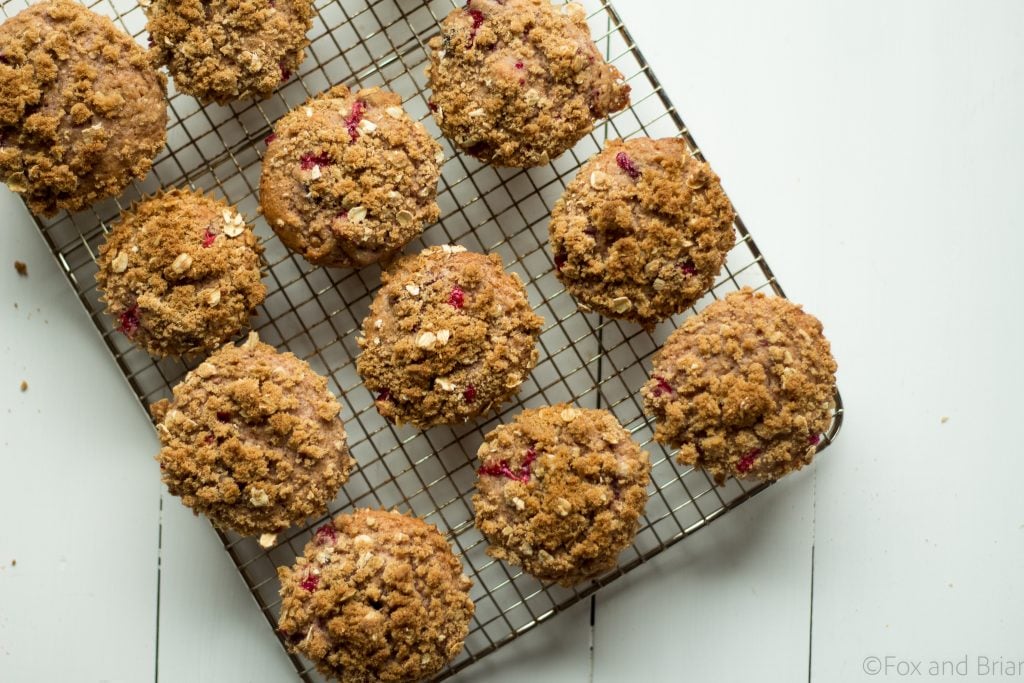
x: 945, y: 419
x: 14, y: 563
x: 24, y: 385
x: 22, y: 268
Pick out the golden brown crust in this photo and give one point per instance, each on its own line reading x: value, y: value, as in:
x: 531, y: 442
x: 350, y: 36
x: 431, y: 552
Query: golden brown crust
x: 518, y: 82
x: 745, y: 388
x: 349, y: 178
x: 642, y: 232
x: 224, y: 50
x: 253, y: 440
x: 450, y: 336
x: 82, y: 112
x: 180, y: 273
x: 560, y: 491
x: 377, y: 596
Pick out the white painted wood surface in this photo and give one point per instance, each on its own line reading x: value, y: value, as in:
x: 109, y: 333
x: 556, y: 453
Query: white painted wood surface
x: 875, y: 150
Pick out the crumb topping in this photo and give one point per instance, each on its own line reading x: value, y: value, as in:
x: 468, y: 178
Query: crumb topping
x: 349, y: 178
x: 642, y: 232
x: 180, y: 273
x: 518, y: 82
x: 376, y: 596
x: 224, y: 50
x: 252, y: 439
x: 745, y: 388
x: 450, y: 336
x: 82, y: 112
x: 560, y: 491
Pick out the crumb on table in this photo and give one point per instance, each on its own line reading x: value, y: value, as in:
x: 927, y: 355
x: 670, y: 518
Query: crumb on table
x: 945, y: 419
x: 22, y: 268
x: 24, y: 385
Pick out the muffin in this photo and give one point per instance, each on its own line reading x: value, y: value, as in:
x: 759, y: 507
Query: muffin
x: 348, y: 178
x: 560, y: 491
x: 180, y: 273
x: 224, y: 50
x: 518, y: 82
x: 377, y: 596
x: 82, y: 112
x: 642, y: 231
x: 450, y: 335
x: 745, y: 388
x: 252, y: 439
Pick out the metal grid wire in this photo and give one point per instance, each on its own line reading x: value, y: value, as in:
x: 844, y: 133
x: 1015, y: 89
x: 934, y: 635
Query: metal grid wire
x: 316, y: 313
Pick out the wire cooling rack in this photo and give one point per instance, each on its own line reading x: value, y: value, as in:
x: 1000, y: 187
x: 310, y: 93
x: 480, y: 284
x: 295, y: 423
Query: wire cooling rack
x: 316, y: 313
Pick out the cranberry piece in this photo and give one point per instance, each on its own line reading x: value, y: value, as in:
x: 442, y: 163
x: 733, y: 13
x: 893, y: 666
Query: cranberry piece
x: 326, y: 534
x: 210, y: 439
x: 663, y: 388
x: 384, y: 395
x: 310, y: 582
x: 470, y: 393
x: 503, y: 468
x: 286, y: 73
x: 627, y: 165
x: 814, y: 439
x: 560, y: 260
x: 520, y: 65
x: 498, y: 469
x: 478, y: 21
x: 747, y: 461
x: 270, y: 138
x: 352, y: 122
x: 688, y: 267
x: 457, y: 298
x: 128, y: 322
x: 309, y: 160
x: 208, y: 238
x: 432, y: 105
